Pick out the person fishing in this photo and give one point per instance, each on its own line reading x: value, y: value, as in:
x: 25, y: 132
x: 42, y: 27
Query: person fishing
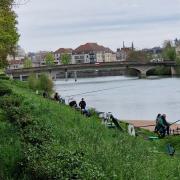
x: 72, y: 103
x: 166, y: 124
x: 56, y: 97
x: 82, y: 104
x: 157, y: 120
x: 45, y: 94
x: 162, y: 126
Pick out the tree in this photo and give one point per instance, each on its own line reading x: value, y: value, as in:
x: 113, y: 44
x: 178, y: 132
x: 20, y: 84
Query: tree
x: 49, y: 59
x: 169, y: 52
x: 178, y: 60
x: 27, y: 63
x: 65, y: 58
x: 8, y: 31
x: 13, y: 2
x: 20, y: 2
x: 45, y: 83
x: 167, y: 44
x: 33, y: 82
x: 138, y: 56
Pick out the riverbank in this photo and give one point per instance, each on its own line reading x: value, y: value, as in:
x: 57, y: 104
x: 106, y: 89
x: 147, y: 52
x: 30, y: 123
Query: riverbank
x: 149, y: 124
x: 53, y: 141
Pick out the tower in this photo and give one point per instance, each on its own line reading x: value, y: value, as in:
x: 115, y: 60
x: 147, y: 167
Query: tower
x: 123, y: 45
x: 132, y: 46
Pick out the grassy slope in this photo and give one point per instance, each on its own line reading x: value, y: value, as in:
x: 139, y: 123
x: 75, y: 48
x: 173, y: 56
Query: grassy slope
x: 10, y: 147
x: 116, y: 155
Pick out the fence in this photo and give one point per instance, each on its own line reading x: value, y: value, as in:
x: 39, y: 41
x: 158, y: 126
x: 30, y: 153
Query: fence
x: 175, y: 131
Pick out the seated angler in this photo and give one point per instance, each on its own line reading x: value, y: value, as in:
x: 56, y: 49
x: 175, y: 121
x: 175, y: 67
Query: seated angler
x: 72, y: 103
x: 56, y: 97
x: 62, y: 100
x: 45, y: 94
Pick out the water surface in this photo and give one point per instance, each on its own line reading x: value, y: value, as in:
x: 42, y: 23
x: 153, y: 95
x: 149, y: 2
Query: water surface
x: 126, y: 98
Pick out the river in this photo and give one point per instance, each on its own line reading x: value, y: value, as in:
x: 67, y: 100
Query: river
x: 127, y: 98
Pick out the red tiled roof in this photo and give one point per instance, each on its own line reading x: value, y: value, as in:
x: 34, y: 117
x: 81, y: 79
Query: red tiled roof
x: 91, y: 47
x: 64, y: 50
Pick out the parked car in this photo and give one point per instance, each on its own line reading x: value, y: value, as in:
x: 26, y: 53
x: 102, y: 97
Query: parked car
x: 157, y: 60
x: 97, y: 63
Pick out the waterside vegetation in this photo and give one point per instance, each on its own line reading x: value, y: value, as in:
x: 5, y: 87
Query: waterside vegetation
x: 42, y: 139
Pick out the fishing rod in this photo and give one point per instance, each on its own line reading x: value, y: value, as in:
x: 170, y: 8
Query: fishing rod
x: 155, y: 125
x: 99, y: 90
x: 174, y: 122
x: 145, y: 126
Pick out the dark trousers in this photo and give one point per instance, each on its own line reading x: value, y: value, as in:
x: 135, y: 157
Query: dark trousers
x: 167, y: 130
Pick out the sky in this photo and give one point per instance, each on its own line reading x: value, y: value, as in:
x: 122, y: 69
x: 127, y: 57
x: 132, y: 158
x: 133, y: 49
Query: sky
x: 53, y: 24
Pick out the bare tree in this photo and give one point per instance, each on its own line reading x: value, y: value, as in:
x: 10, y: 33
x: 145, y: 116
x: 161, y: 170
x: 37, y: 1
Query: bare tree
x: 169, y: 51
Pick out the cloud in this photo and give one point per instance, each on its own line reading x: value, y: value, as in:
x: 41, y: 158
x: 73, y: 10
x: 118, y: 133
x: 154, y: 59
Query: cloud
x: 69, y: 22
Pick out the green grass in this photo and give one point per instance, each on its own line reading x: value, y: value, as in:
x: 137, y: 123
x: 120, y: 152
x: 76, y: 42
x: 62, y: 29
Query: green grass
x: 72, y: 146
x: 10, y: 147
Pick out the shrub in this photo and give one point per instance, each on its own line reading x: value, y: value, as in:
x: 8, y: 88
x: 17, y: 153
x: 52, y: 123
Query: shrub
x: 33, y: 82
x: 15, y: 112
x: 4, y: 77
x: 162, y: 71
x: 19, y: 116
x: 45, y: 163
x: 45, y: 83
x: 38, y: 133
x: 9, y: 101
x: 4, y: 90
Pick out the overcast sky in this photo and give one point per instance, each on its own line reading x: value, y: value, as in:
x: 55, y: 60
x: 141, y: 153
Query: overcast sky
x: 51, y: 24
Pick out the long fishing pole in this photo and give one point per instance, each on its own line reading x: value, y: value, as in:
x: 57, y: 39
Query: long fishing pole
x: 174, y: 122
x: 155, y: 125
x: 99, y: 90
x: 145, y: 126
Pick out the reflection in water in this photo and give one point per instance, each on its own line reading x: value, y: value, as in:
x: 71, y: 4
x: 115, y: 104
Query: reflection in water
x: 127, y: 98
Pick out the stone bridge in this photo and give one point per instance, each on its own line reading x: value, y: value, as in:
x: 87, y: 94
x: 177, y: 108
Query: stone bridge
x: 144, y: 68
x: 53, y: 71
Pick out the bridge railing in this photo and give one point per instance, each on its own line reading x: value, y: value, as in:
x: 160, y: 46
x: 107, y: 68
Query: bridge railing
x: 90, y: 65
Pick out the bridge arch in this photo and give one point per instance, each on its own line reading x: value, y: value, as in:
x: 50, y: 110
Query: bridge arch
x: 142, y: 70
x: 132, y: 71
